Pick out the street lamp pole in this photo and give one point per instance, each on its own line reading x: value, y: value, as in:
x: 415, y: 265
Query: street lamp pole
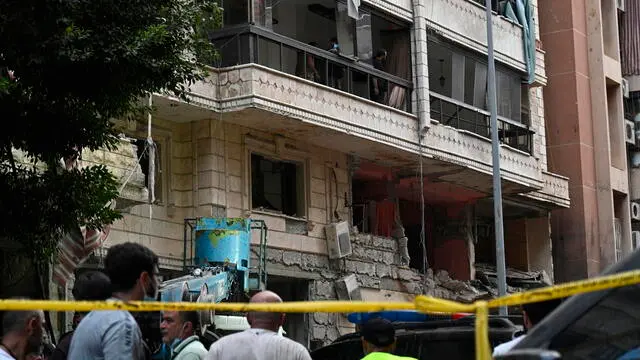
x: 495, y: 152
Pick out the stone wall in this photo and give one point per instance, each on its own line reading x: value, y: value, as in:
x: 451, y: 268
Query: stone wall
x: 206, y: 172
x: 375, y: 263
x: 160, y: 226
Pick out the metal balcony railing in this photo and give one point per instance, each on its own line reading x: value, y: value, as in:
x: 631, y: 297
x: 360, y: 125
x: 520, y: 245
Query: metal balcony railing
x: 251, y: 44
x: 466, y: 117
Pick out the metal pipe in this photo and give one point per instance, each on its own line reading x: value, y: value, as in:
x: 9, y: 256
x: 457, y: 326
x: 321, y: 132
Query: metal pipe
x: 184, y: 250
x: 495, y: 152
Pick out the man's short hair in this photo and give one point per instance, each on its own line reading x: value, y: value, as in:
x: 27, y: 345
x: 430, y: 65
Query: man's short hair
x: 13, y: 321
x: 192, y: 317
x: 92, y: 286
x: 539, y: 310
x: 378, y: 332
x: 125, y: 263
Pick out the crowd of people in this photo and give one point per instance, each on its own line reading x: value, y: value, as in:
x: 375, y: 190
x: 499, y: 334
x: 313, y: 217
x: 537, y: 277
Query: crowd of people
x: 131, y: 274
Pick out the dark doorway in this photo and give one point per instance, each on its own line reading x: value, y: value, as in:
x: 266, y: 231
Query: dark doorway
x: 290, y: 289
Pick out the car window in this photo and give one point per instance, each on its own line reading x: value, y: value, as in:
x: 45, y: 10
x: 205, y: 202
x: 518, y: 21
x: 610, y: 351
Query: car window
x: 608, y: 330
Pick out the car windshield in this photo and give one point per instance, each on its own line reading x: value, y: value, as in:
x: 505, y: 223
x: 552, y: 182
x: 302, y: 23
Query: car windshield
x: 594, y: 325
x: 609, y: 330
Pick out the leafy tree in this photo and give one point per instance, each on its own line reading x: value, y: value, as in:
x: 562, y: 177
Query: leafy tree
x: 68, y: 67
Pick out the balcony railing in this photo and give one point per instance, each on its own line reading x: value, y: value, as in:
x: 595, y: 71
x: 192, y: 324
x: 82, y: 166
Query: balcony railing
x: 251, y: 44
x: 466, y: 117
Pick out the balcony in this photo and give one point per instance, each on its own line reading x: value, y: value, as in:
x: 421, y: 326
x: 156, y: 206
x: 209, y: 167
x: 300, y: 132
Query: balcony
x: 250, y: 44
x: 399, y: 8
x: 464, y: 22
x: 464, y: 117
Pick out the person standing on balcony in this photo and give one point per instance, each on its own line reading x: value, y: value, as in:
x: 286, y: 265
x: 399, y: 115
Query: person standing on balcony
x: 336, y: 72
x: 306, y: 65
x: 379, y: 87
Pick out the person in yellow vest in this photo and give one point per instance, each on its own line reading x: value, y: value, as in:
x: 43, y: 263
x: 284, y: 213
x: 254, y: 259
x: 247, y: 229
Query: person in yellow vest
x: 379, y: 340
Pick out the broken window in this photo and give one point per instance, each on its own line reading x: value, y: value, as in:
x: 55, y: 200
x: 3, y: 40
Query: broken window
x: 277, y: 186
x: 462, y: 76
x: 143, y: 160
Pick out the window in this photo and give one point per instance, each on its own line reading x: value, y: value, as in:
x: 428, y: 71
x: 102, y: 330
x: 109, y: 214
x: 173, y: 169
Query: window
x: 319, y: 22
x: 235, y: 12
x: 143, y: 156
x: 461, y: 76
x: 277, y: 186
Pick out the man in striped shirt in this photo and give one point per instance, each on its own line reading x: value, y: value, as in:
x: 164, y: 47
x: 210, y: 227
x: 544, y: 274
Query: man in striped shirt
x: 261, y: 341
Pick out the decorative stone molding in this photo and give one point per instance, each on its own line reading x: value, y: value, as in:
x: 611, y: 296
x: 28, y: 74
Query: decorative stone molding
x: 473, y: 151
x: 255, y: 86
x: 555, y: 190
x: 541, y: 73
x: 399, y: 8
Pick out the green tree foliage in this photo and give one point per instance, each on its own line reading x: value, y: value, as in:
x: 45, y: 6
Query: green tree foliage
x: 66, y: 68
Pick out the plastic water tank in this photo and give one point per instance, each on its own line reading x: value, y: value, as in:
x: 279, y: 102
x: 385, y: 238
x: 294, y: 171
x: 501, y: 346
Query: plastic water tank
x: 223, y: 241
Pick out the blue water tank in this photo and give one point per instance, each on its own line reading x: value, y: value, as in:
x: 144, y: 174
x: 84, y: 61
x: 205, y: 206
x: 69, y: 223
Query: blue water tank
x: 223, y: 241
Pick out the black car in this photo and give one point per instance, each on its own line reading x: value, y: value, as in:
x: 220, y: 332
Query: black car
x: 439, y: 338
x: 597, y: 325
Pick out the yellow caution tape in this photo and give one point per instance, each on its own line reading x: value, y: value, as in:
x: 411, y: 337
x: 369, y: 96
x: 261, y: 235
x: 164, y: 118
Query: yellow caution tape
x: 483, y: 349
x: 569, y: 289
x: 424, y: 304
x: 288, y: 307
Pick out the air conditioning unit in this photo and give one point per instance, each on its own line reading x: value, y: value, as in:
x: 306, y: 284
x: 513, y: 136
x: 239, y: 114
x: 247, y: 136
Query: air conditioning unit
x: 630, y: 132
x: 635, y: 239
x: 625, y: 88
x: 620, y: 4
x: 338, y: 240
x: 635, y: 211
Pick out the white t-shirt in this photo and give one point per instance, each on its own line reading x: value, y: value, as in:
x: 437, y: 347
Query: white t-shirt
x: 506, y: 347
x: 257, y: 344
x: 4, y: 355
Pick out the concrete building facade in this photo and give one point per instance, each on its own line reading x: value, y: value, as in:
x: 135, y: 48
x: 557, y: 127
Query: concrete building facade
x: 586, y: 136
x: 286, y: 131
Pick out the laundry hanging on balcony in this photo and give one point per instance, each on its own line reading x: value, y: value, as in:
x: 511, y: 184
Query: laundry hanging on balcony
x: 353, y: 9
x: 522, y: 14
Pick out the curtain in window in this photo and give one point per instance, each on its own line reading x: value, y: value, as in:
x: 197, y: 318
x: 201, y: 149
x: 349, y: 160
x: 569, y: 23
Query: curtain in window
x: 398, y: 65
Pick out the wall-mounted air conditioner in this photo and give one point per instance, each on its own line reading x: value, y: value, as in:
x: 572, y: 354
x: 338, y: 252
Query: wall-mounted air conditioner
x: 620, y: 4
x: 625, y: 88
x: 635, y: 211
x: 630, y: 132
x: 635, y: 239
x: 338, y: 240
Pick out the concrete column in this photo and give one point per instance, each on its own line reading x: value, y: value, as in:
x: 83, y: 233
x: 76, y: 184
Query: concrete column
x: 209, y: 170
x: 600, y: 256
x: 420, y: 64
x: 539, y: 255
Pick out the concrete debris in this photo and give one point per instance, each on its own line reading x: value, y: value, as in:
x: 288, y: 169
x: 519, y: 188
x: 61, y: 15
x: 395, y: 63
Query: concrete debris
x: 458, y: 290
x: 517, y: 280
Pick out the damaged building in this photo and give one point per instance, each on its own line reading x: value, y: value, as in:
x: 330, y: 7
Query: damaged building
x: 373, y: 176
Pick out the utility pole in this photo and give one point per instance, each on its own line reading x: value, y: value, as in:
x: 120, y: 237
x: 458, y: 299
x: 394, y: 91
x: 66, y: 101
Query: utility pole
x: 495, y: 152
